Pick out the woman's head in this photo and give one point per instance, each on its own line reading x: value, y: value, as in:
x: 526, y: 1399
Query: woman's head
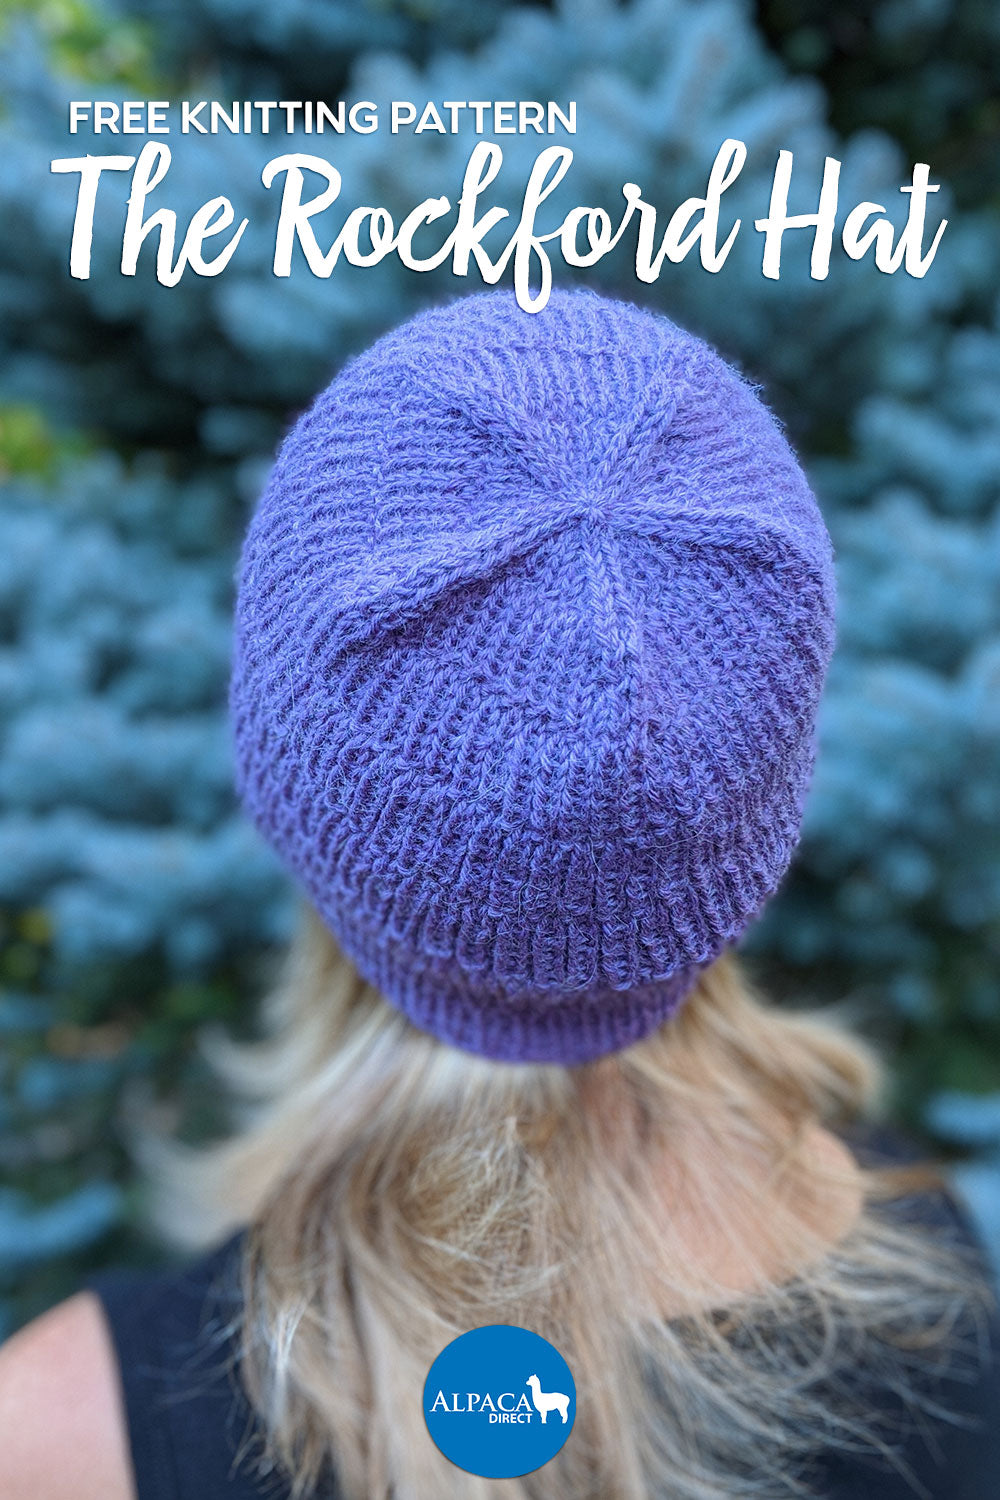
x: 532, y: 626
x: 533, y: 621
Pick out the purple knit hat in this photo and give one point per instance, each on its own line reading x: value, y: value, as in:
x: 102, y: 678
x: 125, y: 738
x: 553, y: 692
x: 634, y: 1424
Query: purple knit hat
x: 532, y: 625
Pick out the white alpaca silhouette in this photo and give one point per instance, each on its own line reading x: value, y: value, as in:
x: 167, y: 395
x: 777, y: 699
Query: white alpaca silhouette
x: 546, y: 1401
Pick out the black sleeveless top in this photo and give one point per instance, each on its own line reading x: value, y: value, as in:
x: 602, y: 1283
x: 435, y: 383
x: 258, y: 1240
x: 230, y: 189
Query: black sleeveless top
x: 194, y: 1437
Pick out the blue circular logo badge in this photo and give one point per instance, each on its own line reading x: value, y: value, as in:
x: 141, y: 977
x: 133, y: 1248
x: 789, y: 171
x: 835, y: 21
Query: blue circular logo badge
x: 499, y: 1401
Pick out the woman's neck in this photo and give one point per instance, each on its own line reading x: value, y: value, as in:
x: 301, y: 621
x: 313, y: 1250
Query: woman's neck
x: 750, y: 1222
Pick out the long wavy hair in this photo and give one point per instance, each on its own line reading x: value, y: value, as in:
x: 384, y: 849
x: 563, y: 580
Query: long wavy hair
x: 673, y: 1218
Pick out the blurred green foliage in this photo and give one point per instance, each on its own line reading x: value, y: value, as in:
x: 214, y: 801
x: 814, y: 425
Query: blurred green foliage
x: 89, y: 44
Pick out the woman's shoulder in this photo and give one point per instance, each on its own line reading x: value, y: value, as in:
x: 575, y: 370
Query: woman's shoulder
x: 61, y: 1416
x: 129, y: 1389
x: 177, y: 1336
x: 195, y: 1301
x: 932, y: 1201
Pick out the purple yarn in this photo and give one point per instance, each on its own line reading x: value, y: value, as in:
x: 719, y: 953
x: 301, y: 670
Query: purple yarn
x: 533, y: 621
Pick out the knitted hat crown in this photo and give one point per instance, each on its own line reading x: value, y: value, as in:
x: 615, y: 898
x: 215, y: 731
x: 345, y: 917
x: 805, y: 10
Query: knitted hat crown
x: 532, y: 625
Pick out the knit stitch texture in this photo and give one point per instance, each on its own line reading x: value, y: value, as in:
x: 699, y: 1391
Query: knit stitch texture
x: 532, y: 625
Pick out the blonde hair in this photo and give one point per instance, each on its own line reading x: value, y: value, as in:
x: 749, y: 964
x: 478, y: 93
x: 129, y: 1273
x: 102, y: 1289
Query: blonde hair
x: 399, y: 1192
